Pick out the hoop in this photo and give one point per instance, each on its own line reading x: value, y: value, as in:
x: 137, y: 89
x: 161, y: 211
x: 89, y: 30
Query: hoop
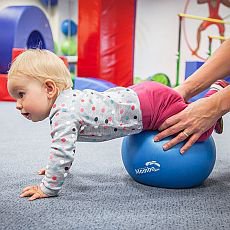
x: 185, y: 34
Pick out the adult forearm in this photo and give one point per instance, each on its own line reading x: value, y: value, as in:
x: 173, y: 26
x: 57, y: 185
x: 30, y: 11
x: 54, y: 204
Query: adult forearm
x: 216, y: 67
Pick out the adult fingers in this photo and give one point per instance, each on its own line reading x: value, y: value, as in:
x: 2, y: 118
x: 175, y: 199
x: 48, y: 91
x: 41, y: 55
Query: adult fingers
x: 169, y: 131
x: 174, y: 141
x: 192, y: 140
x: 169, y: 122
x: 181, y: 137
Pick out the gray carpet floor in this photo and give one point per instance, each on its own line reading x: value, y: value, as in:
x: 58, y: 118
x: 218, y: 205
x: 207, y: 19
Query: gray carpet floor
x: 99, y: 194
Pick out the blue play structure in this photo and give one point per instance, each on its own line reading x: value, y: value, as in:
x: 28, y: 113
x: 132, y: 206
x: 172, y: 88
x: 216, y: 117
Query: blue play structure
x: 99, y: 85
x: 22, y: 27
x: 49, y: 2
x: 190, y: 68
x: 147, y: 163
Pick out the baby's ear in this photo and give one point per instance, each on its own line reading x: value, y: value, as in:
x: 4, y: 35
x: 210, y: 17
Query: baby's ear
x: 50, y: 87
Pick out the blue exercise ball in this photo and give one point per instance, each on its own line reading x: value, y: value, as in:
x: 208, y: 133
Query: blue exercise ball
x: 69, y: 27
x: 147, y: 163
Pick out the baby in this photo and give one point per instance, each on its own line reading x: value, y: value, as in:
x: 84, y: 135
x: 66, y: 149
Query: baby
x: 42, y: 86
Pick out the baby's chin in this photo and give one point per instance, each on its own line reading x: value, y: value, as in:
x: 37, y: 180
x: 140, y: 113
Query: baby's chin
x: 33, y: 118
x: 38, y: 119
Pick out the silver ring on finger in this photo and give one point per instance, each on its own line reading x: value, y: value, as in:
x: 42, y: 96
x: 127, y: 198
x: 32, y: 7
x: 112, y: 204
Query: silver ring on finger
x: 186, y: 134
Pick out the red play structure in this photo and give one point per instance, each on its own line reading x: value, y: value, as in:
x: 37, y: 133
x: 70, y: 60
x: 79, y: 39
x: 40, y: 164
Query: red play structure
x: 106, y: 40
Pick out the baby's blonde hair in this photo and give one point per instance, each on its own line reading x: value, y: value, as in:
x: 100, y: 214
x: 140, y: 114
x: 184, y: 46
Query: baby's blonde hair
x: 41, y: 65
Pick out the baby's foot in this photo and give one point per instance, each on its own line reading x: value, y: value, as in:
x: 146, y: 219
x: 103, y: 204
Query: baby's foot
x: 219, y: 84
x: 219, y: 127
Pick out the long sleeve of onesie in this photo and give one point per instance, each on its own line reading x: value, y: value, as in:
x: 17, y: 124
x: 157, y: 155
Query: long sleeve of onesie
x: 64, y: 135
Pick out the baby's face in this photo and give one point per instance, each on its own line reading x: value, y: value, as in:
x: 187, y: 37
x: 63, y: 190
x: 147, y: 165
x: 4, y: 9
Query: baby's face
x: 31, y: 97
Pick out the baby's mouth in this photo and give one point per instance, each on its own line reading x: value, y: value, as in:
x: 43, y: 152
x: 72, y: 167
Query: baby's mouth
x: 26, y: 115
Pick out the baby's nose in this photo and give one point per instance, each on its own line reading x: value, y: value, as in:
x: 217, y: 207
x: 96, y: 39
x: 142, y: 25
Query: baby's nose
x: 18, y: 105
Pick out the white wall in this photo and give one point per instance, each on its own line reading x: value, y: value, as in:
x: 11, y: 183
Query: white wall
x: 157, y: 36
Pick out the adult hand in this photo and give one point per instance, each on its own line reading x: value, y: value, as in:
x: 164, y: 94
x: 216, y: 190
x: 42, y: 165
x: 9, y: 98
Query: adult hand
x: 189, y: 124
x: 34, y: 192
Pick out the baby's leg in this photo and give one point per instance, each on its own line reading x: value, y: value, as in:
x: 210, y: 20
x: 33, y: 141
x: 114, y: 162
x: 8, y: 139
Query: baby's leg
x: 158, y: 102
x: 218, y: 127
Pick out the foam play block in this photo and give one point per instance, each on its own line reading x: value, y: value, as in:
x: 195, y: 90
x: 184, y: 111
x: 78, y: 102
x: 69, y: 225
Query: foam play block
x: 190, y: 68
x: 16, y: 52
x: 106, y: 30
x: 227, y: 79
x: 99, y: 85
x: 4, y: 95
x: 25, y: 26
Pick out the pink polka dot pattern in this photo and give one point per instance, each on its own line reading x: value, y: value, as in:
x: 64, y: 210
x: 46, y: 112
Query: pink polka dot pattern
x: 63, y: 140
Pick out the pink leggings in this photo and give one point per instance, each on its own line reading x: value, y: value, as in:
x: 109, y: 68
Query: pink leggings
x: 159, y: 102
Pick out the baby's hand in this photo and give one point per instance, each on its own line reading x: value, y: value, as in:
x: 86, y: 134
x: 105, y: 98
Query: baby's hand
x: 34, y: 192
x: 42, y: 171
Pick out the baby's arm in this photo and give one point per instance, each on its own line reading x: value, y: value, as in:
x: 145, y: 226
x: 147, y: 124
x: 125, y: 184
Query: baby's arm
x: 64, y: 135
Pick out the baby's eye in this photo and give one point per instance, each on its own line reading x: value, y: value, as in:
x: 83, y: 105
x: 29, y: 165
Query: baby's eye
x: 21, y: 94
